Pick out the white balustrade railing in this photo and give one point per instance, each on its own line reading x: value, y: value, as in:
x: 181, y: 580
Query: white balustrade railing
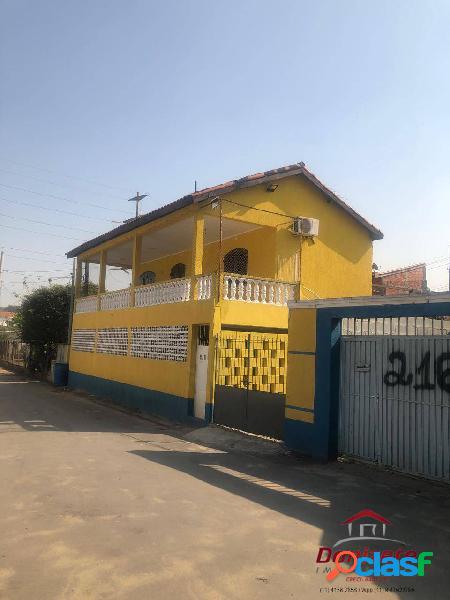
x: 115, y: 300
x: 261, y: 291
x: 204, y: 285
x: 86, y: 304
x: 177, y: 290
x: 235, y: 287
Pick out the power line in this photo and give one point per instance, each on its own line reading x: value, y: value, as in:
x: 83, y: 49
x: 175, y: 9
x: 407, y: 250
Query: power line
x: 270, y: 212
x: 26, y: 282
x: 38, y: 271
x: 63, y: 198
x: 34, y: 259
x: 41, y: 233
x: 443, y: 265
x: 49, y: 224
x: 59, y: 210
x: 30, y: 250
x: 56, y: 183
x: 437, y: 260
x: 28, y: 166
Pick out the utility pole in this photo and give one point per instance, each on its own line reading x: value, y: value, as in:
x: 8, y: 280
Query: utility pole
x: 138, y: 198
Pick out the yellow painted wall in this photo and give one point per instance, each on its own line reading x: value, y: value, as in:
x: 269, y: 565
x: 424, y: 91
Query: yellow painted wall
x: 260, y: 243
x: 301, y: 365
x: 165, y: 376
x: 337, y: 263
x: 162, y: 266
x: 256, y: 315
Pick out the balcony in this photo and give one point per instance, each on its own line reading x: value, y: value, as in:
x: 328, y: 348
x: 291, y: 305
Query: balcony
x: 235, y: 288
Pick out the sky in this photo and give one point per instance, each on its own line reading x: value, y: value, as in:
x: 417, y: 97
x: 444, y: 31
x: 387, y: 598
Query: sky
x: 104, y: 98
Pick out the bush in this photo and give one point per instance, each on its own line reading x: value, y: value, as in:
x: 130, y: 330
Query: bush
x: 43, y: 322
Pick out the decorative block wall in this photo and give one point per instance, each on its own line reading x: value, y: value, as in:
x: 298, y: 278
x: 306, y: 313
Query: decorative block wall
x: 157, y: 343
x: 83, y: 340
x: 113, y: 341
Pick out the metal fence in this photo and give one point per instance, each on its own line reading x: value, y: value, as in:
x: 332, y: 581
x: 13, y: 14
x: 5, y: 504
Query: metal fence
x: 14, y: 352
x: 395, y: 401
x: 396, y: 326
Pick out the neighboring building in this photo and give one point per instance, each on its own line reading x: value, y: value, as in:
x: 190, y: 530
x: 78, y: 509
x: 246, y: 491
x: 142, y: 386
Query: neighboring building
x: 5, y: 317
x: 401, y: 282
x: 203, y: 318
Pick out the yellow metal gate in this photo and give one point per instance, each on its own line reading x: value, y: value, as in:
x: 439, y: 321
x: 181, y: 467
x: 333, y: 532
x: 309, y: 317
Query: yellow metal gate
x: 251, y: 382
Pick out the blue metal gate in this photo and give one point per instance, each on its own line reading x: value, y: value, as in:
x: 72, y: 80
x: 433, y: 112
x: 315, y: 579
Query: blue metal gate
x: 394, y: 400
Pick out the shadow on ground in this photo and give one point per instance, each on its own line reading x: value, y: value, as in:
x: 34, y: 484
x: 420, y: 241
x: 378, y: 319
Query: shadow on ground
x: 322, y: 495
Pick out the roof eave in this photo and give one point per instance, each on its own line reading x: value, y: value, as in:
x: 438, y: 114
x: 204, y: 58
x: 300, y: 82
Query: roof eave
x: 131, y: 225
x: 298, y: 169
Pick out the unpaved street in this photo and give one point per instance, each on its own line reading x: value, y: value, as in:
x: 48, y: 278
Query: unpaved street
x: 98, y: 504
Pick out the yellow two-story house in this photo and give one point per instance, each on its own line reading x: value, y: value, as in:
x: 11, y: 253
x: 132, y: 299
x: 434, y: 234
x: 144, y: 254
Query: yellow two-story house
x: 183, y: 311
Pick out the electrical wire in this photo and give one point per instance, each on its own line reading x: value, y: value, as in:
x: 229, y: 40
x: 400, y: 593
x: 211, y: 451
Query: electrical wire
x: 64, y: 199
x: 270, y: 212
x: 49, y: 224
x: 63, y: 185
x: 41, y: 233
x: 85, y: 180
x: 58, y: 210
x: 29, y: 250
x: 37, y: 271
x: 31, y: 258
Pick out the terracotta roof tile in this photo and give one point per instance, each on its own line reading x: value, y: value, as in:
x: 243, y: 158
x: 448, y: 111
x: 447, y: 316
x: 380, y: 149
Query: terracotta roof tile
x: 222, y: 188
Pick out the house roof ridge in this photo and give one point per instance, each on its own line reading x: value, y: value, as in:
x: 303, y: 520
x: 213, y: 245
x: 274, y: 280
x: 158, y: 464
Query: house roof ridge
x: 223, y: 188
x: 367, y: 512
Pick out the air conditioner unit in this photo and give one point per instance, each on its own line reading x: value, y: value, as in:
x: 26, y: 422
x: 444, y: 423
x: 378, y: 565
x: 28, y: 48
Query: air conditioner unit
x: 305, y: 226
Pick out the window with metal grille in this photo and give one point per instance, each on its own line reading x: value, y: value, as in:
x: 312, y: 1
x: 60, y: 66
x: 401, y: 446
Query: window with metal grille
x: 83, y: 340
x: 236, y: 261
x: 147, y: 277
x: 113, y: 341
x: 203, y: 335
x: 178, y: 271
x: 160, y: 343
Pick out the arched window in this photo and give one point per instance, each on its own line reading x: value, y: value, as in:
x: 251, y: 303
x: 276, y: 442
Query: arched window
x: 178, y: 271
x: 236, y: 261
x: 147, y: 277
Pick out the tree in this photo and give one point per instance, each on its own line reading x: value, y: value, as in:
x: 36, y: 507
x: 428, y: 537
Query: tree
x: 43, y: 321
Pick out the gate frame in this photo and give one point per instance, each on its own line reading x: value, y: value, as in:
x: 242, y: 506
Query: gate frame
x: 319, y: 438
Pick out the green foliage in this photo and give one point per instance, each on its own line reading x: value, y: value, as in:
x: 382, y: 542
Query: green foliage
x: 43, y: 321
x: 4, y: 333
x: 89, y: 289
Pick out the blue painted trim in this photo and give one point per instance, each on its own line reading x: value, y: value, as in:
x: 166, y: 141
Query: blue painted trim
x: 301, y: 352
x: 147, y: 401
x: 209, y: 409
x: 302, y: 437
x: 309, y: 410
x: 320, y: 439
x: 434, y: 309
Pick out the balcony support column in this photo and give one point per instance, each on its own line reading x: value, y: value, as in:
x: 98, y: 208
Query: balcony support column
x: 101, y: 278
x: 198, y: 242
x: 137, y: 252
x: 78, y: 277
x: 102, y: 275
